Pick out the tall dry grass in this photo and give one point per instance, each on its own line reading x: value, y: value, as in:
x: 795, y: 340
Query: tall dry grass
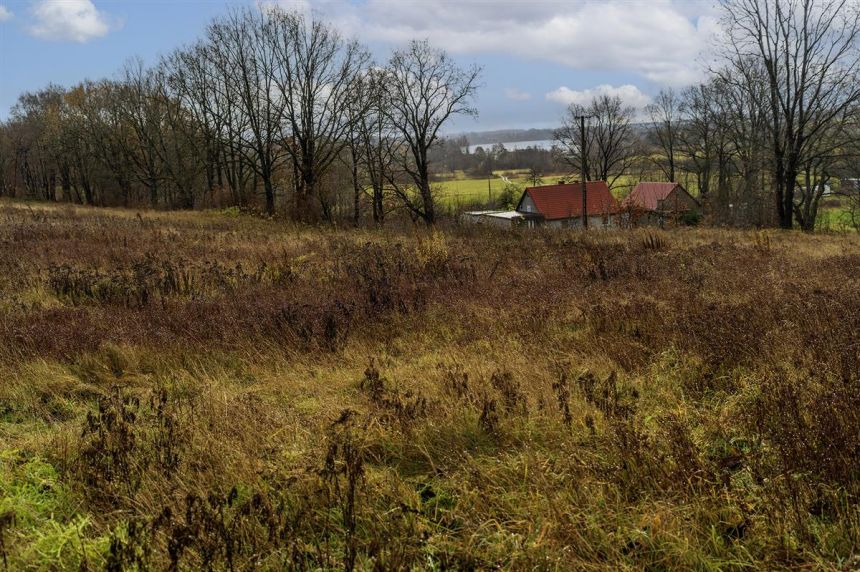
x: 192, y: 391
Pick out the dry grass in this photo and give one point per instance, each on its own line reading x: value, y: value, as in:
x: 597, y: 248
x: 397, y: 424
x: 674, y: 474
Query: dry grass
x: 194, y: 391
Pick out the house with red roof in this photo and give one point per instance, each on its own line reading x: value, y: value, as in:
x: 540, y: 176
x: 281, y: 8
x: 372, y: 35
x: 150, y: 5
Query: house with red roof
x: 658, y: 203
x: 561, y: 205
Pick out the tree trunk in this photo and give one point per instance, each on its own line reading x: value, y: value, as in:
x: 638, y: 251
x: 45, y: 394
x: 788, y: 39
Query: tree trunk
x: 153, y: 192
x: 270, y: 193
x: 428, y: 212
x: 308, y: 212
x: 787, y: 216
x: 88, y: 190
x: 356, y: 200
x: 378, y: 212
x: 66, y: 183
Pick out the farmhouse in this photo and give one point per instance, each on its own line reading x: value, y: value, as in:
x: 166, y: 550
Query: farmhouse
x: 561, y: 205
x: 656, y: 203
x: 557, y: 206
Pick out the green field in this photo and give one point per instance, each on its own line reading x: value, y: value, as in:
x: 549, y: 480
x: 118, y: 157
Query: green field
x: 460, y: 190
x: 463, y: 191
x: 466, y: 191
x: 834, y: 218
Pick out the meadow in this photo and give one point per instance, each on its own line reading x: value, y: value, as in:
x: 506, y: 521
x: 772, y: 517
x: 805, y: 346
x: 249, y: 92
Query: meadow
x: 458, y: 191
x: 191, y: 391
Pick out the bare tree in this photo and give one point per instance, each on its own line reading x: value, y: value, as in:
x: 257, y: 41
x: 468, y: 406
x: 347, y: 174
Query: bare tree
x: 7, y: 185
x: 37, y: 143
x: 103, y: 126
x: 809, y: 50
x: 141, y: 112
x: 377, y: 140
x: 665, y: 115
x: 740, y: 126
x: 83, y: 148
x: 847, y: 168
x: 706, y: 144
x: 194, y: 79
x: 610, y: 144
x: 243, y: 56
x: 356, y: 154
x: 369, y: 152
x: 832, y: 148
x: 315, y: 76
x: 699, y: 135
x: 424, y: 89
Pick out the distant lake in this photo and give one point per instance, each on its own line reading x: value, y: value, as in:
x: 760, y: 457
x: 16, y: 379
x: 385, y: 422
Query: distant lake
x: 511, y: 146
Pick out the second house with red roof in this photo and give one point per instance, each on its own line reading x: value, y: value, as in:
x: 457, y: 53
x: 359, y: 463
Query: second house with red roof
x: 658, y: 204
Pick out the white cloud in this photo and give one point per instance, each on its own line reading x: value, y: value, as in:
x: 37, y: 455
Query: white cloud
x: 659, y: 40
x: 302, y: 6
x: 517, y: 94
x: 69, y: 20
x: 5, y: 14
x: 629, y: 94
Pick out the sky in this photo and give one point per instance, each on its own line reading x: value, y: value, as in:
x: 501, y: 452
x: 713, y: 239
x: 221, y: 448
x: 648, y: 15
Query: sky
x: 537, y: 56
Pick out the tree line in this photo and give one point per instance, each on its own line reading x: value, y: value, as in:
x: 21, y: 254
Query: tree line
x: 268, y: 107
x: 273, y: 110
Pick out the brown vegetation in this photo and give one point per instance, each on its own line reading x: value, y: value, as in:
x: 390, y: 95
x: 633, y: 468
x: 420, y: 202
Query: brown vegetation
x: 194, y: 391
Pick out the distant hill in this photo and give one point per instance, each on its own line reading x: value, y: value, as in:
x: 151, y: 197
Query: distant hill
x: 505, y: 136
x: 517, y: 135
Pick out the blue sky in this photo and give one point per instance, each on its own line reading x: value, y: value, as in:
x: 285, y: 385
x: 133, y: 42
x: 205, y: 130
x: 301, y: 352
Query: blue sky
x: 537, y: 56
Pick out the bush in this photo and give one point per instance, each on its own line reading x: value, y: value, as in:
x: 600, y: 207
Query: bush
x: 510, y: 196
x: 691, y: 218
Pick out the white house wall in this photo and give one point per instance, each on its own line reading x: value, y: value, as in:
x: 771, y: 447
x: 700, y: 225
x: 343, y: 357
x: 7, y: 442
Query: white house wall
x: 593, y: 222
x: 528, y: 205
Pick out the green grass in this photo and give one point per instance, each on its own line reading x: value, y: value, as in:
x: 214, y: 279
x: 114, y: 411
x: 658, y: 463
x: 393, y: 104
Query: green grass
x: 42, y: 528
x: 458, y: 189
x: 834, y: 218
x: 466, y: 191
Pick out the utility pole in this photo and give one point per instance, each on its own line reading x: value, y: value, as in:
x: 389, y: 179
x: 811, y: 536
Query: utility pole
x: 582, y: 156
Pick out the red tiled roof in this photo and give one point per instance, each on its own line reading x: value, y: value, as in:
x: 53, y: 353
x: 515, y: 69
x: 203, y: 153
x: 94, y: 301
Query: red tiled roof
x: 565, y: 200
x: 646, y: 195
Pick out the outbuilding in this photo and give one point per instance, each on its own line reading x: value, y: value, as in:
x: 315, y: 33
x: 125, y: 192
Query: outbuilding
x: 495, y: 218
x: 657, y: 203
